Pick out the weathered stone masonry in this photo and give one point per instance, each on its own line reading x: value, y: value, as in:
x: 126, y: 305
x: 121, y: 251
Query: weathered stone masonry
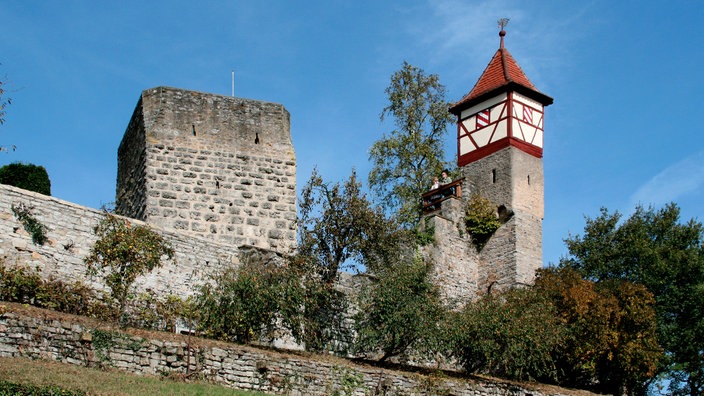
x: 219, y: 167
x: 41, y: 334
x: 70, y: 233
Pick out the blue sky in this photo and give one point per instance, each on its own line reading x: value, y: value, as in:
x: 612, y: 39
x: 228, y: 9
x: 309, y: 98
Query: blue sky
x: 626, y: 77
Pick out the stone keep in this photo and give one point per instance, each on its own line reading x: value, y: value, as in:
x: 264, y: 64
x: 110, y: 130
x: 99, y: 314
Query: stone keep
x: 499, y: 153
x: 214, y: 166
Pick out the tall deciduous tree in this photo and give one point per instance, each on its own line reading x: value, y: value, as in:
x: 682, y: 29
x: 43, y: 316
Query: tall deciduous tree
x: 405, y: 161
x: 337, y: 226
x: 610, y: 344
x: 653, y: 248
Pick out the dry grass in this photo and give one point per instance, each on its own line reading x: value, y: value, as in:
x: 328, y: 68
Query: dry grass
x: 98, y: 382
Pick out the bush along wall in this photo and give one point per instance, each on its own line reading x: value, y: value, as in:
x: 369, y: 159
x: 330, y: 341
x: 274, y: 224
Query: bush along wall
x: 27, y: 176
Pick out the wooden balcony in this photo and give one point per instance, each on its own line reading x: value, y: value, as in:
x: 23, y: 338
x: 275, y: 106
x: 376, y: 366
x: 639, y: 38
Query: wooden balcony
x: 432, y: 200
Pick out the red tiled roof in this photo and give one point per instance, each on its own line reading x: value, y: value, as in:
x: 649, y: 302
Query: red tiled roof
x: 501, y: 70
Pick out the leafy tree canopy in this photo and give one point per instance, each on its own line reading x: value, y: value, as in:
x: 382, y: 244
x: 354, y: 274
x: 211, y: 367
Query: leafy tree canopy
x: 655, y: 249
x: 610, y: 344
x: 405, y: 161
x: 123, y: 252
x: 399, y: 310
x: 337, y: 226
x: 565, y: 330
x: 27, y: 176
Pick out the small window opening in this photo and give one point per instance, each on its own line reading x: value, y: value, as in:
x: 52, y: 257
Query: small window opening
x: 256, y: 138
x: 193, y: 129
x: 493, y: 175
x: 529, y: 180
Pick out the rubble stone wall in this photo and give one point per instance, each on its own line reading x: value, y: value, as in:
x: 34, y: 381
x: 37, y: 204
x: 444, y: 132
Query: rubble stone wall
x: 74, y: 340
x: 70, y: 232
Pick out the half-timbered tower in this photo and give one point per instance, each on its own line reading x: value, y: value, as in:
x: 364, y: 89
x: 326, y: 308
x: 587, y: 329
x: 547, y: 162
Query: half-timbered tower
x: 500, y: 139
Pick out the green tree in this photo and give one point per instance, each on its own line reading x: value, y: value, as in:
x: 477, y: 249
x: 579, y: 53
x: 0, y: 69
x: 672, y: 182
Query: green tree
x: 511, y: 335
x: 27, y: 176
x: 242, y: 303
x: 122, y: 253
x: 405, y: 161
x: 339, y: 229
x: 610, y: 344
x: 654, y: 249
x: 399, y: 311
x: 338, y: 226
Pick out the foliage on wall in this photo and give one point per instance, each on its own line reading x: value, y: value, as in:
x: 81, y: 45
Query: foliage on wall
x: 481, y: 220
x: 34, y: 227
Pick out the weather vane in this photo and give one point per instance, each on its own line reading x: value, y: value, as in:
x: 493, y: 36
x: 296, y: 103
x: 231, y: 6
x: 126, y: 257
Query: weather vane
x: 502, y: 24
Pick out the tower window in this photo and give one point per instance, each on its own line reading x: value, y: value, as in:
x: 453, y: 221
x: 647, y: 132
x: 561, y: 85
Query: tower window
x: 193, y: 129
x: 529, y: 180
x: 256, y: 138
x: 493, y: 175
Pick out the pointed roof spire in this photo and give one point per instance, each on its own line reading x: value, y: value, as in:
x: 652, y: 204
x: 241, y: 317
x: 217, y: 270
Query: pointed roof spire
x: 501, y: 73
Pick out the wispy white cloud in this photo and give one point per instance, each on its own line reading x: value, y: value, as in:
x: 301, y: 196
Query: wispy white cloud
x: 674, y: 182
x: 462, y: 35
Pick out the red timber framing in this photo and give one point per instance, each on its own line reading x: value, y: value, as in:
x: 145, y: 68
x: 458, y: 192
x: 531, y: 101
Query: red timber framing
x: 506, y: 115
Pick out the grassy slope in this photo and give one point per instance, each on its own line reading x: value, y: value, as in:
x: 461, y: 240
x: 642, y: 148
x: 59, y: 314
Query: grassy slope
x: 97, y: 382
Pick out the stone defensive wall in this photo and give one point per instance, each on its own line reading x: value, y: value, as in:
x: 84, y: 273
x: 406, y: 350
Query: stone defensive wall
x: 70, y: 232
x: 27, y: 332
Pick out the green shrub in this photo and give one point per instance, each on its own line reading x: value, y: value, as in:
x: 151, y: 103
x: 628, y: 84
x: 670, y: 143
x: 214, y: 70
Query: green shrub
x: 23, y: 285
x: 243, y: 304
x: 19, y: 284
x: 10, y: 388
x: 262, y: 297
x: 481, y: 220
x: 399, y: 312
x: 147, y: 311
x: 27, y: 176
x: 513, y: 335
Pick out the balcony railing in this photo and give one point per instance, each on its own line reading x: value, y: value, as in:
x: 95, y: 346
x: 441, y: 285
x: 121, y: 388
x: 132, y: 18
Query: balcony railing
x: 432, y: 200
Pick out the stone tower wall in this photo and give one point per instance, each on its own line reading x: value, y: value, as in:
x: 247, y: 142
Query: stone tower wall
x: 509, y: 177
x: 528, y: 183
x: 513, y: 179
x: 455, y: 260
x: 131, y: 194
x: 218, y: 167
x: 490, y: 177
